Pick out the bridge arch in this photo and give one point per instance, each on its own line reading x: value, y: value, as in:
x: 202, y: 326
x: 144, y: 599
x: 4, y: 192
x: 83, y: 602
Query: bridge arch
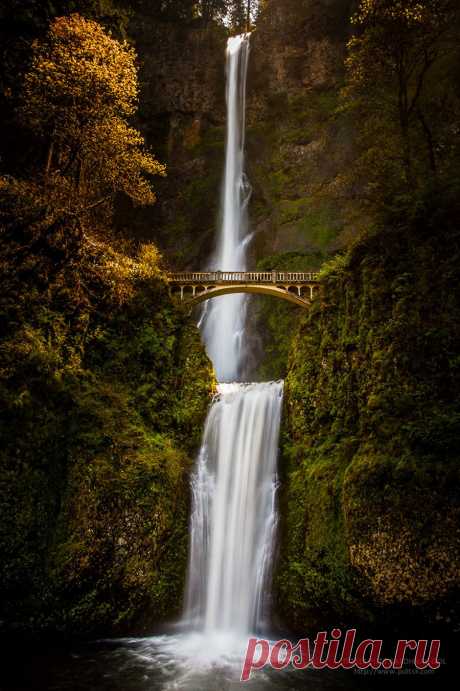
x: 297, y: 288
x: 203, y: 294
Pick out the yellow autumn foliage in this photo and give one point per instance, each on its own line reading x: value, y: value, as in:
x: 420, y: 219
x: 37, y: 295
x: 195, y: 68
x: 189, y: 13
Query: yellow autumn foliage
x: 78, y: 95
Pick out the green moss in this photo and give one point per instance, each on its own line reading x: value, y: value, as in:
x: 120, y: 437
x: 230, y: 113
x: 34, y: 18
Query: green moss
x: 315, y: 106
x: 276, y: 321
x: 104, y: 386
x: 318, y: 225
x: 189, y: 230
x: 212, y: 143
x: 371, y: 435
x: 293, y: 154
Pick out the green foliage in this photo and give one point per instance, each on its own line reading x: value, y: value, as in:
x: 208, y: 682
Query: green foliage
x: 402, y: 90
x: 104, y: 386
x: 275, y: 321
x: 184, y: 10
x: 240, y: 14
x: 191, y: 231
x: 295, y: 149
x: 34, y: 15
x: 372, y: 429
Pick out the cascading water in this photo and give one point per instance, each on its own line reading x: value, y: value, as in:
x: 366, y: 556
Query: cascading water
x: 233, y: 497
x: 234, y: 518
x: 233, y: 487
x: 223, y: 320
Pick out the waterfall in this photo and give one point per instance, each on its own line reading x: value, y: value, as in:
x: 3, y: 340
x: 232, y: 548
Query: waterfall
x: 234, y: 484
x: 223, y: 320
x: 234, y: 518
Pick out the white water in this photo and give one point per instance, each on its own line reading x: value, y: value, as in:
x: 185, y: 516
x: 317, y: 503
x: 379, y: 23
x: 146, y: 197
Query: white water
x: 234, y: 518
x: 233, y: 521
x: 233, y: 488
x: 223, y: 319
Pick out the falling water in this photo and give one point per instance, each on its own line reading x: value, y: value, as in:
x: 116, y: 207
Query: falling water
x: 234, y: 518
x: 234, y: 484
x: 233, y: 521
x: 223, y: 320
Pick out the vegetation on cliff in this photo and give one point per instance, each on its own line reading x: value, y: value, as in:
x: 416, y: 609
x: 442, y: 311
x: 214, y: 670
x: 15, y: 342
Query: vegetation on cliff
x: 372, y: 427
x: 370, y: 503
x: 78, y: 94
x: 402, y: 86
x: 104, y: 383
x: 104, y: 389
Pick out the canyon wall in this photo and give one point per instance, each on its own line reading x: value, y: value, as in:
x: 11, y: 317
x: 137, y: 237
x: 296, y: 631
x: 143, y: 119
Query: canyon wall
x: 369, y: 502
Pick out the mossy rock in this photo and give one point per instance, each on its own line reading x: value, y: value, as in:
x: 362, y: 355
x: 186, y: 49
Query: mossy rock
x: 105, y: 386
x: 370, y: 495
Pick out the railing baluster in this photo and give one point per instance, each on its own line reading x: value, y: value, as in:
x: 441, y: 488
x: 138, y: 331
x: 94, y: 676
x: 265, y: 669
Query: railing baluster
x: 209, y: 277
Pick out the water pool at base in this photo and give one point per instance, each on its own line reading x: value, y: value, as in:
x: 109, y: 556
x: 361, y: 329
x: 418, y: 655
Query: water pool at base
x: 169, y: 662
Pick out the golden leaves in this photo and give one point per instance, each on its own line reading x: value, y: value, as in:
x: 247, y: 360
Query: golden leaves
x: 78, y: 94
x: 121, y: 268
x: 400, y: 570
x: 408, y: 12
x: 78, y: 66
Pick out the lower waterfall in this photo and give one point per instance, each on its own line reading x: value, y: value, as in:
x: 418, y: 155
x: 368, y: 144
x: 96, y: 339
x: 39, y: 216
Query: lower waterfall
x: 233, y: 510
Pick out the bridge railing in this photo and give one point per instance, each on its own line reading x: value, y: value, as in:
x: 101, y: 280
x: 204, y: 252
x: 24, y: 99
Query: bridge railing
x: 208, y: 277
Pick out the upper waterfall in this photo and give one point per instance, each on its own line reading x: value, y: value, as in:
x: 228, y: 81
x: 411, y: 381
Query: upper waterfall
x: 223, y: 320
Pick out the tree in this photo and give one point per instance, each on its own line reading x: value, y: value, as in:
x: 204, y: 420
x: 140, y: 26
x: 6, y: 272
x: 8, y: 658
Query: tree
x: 240, y: 13
x: 184, y: 10
x: 212, y: 9
x: 78, y: 95
x: 396, y: 72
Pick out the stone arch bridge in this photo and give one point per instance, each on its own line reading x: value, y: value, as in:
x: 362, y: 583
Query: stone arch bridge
x: 295, y: 287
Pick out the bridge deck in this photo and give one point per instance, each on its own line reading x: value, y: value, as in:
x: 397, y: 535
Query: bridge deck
x: 298, y: 287
x: 220, y: 277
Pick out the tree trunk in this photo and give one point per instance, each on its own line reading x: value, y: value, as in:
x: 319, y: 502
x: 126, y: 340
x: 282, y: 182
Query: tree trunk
x: 429, y: 140
x: 49, y: 158
x: 404, y: 122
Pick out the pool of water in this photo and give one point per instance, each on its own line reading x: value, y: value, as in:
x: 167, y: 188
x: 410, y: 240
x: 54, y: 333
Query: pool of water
x: 165, y: 663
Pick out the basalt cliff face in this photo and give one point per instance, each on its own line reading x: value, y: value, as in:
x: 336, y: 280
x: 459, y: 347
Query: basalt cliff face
x: 370, y: 501
x: 296, y: 72
x: 111, y: 395
x: 296, y: 67
x: 295, y: 143
x: 182, y: 115
x: 104, y: 388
